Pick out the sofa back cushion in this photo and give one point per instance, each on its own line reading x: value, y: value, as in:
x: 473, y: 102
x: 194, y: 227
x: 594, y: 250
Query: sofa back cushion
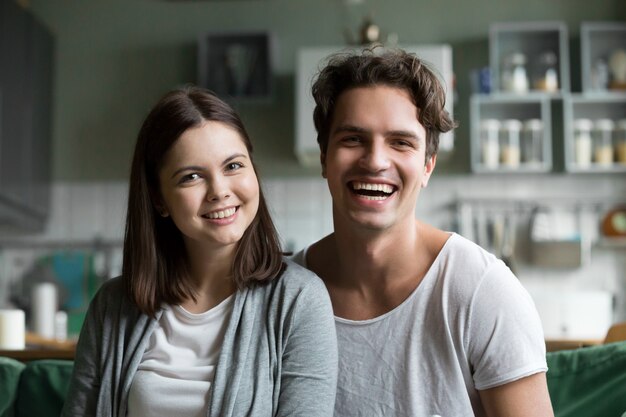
x: 43, y: 387
x: 10, y: 371
x: 588, y: 382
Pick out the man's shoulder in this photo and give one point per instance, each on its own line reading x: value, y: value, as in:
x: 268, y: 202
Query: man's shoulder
x: 296, y: 278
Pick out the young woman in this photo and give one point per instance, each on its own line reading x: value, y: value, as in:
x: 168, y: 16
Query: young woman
x: 208, y: 318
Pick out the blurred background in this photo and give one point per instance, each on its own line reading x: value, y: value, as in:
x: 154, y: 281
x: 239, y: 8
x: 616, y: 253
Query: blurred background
x: 78, y: 77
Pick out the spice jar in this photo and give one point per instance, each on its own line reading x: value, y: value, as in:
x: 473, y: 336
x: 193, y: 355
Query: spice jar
x: 509, y: 143
x: 582, y: 142
x: 532, y: 142
x: 620, y: 141
x: 545, y: 77
x: 603, y: 141
x: 489, y: 146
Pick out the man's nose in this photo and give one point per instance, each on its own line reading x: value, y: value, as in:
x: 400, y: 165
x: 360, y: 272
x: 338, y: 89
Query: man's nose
x: 375, y: 158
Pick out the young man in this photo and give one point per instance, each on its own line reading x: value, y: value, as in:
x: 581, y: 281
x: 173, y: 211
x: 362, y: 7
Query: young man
x: 428, y: 323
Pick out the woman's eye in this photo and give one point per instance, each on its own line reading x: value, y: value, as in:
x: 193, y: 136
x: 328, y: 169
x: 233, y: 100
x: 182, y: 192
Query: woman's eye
x: 232, y: 166
x: 189, y: 178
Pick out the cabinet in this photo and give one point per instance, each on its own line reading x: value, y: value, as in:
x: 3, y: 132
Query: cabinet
x: 26, y: 61
x: 311, y: 60
x: 526, y: 87
x: 601, y: 106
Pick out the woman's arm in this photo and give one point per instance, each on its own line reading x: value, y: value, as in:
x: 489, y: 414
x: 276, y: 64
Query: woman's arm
x: 309, y: 360
x: 82, y: 398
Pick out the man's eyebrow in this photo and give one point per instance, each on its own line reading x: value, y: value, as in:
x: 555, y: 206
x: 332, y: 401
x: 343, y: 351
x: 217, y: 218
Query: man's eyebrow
x: 356, y: 129
x: 349, y: 129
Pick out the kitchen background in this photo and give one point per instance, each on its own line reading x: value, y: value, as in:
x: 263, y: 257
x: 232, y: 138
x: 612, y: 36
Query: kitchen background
x: 114, y: 58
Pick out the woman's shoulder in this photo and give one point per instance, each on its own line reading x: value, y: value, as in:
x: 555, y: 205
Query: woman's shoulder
x: 111, y: 292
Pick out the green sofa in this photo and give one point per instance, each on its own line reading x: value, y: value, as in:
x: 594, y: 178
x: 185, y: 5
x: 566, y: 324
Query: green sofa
x: 586, y: 382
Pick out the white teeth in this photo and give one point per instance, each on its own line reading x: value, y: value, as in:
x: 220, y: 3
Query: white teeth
x: 221, y: 214
x: 385, y: 188
x: 371, y: 197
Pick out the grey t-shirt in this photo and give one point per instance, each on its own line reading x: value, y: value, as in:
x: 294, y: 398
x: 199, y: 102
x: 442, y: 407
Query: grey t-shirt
x: 469, y: 325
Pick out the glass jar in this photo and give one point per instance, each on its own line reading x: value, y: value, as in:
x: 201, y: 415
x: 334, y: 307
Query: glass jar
x: 582, y: 142
x: 532, y: 142
x: 603, y: 141
x: 489, y: 146
x: 620, y: 141
x: 545, y: 73
x: 509, y: 143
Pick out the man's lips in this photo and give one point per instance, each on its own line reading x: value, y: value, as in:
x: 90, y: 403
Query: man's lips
x: 372, y: 190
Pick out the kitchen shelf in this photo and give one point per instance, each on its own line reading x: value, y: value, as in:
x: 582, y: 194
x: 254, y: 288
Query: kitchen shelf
x: 533, y: 40
x: 598, y: 41
x: 506, y: 107
x: 592, y: 107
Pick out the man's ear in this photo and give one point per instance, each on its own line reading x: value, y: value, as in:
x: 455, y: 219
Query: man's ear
x: 429, y: 167
x: 323, y: 162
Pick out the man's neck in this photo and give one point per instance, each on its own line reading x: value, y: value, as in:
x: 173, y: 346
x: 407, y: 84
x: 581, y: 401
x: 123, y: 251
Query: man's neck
x: 368, y: 274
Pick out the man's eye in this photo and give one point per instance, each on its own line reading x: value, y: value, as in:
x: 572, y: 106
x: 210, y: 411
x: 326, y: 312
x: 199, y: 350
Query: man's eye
x: 351, y: 139
x: 403, y: 143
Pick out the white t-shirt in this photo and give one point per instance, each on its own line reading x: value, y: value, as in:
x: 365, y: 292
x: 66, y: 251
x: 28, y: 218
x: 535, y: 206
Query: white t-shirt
x: 469, y: 325
x: 177, y: 368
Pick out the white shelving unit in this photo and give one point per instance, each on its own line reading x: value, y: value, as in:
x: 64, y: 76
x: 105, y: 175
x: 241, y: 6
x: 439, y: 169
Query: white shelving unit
x: 501, y: 108
x: 600, y: 42
x: 532, y: 39
x: 592, y: 107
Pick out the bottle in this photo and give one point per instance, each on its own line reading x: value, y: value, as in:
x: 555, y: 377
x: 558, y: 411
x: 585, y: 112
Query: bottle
x: 514, y: 76
x: 620, y: 142
x: 582, y: 142
x: 490, y: 148
x: 532, y: 142
x: 603, y: 142
x: 509, y: 143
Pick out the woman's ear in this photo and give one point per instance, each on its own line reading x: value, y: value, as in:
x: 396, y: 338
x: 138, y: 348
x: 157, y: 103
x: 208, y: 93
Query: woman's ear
x: 162, y: 211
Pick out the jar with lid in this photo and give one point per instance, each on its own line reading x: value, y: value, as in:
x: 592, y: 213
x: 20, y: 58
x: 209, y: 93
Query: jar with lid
x: 514, y: 76
x: 510, y: 143
x: 620, y: 141
x: 545, y: 73
x: 582, y: 142
x: 603, y: 141
x: 489, y: 143
x: 532, y: 142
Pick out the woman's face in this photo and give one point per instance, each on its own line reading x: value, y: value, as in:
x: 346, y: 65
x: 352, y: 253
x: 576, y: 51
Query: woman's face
x: 208, y: 185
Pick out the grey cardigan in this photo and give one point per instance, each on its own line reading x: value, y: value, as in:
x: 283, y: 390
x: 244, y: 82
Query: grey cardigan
x: 278, y: 358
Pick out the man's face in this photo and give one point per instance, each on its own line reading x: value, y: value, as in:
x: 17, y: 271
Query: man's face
x: 375, y: 160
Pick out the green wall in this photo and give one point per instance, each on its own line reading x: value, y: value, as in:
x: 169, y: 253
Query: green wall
x: 114, y: 58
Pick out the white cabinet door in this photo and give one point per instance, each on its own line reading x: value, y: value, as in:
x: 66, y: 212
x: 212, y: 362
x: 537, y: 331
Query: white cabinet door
x: 311, y: 60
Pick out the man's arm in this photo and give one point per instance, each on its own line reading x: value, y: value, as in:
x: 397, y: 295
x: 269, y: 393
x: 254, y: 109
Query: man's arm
x: 522, y: 398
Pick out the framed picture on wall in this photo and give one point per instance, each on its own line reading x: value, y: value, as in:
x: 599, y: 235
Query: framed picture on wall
x: 236, y: 65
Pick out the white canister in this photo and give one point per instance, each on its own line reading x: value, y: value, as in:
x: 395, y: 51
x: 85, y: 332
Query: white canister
x: 510, y: 143
x: 489, y: 145
x: 582, y: 142
x: 43, y: 309
x: 12, y: 330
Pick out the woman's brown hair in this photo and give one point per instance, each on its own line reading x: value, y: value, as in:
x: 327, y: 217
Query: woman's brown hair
x: 154, y: 266
x: 393, y: 68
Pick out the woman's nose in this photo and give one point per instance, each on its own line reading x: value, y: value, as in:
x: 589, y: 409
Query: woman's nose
x: 217, y: 189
